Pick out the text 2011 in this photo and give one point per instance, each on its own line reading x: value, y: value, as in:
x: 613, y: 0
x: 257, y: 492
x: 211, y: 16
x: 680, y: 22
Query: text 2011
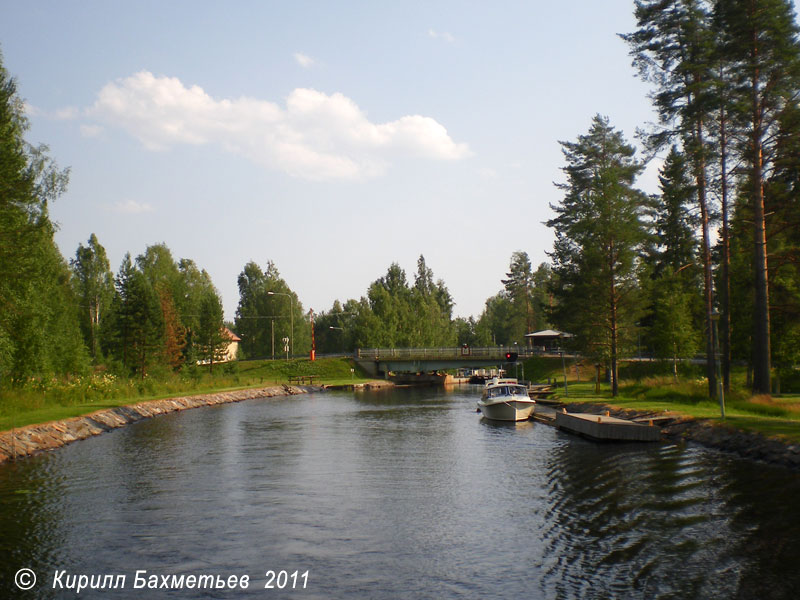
x: 282, y: 580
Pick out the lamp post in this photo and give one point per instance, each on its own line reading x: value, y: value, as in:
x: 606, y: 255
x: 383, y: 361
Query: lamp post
x: 342, y: 336
x: 717, y: 369
x: 563, y: 362
x: 291, y: 314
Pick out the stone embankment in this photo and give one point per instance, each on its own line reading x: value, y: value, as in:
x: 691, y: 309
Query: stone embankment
x: 710, y: 434
x: 375, y: 384
x: 31, y: 439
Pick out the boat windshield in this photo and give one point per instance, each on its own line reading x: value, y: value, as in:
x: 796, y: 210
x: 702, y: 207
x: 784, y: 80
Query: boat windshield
x: 507, y: 390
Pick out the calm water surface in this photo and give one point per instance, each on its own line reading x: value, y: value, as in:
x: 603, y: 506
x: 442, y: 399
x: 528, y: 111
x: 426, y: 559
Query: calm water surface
x: 402, y: 494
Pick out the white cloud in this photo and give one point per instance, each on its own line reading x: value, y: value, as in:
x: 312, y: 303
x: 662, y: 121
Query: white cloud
x: 304, y: 60
x: 316, y: 136
x: 441, y: 35
x: 132, y: 207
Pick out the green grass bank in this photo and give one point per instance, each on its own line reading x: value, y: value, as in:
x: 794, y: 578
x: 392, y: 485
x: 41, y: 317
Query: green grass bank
x: 44, y: 400
x: 649, y: 387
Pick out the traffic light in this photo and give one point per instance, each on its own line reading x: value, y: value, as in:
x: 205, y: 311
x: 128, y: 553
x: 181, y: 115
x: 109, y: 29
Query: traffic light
x: 511, y: 357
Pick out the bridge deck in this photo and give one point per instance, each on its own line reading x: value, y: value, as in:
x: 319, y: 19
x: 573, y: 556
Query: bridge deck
x: 466, y: 354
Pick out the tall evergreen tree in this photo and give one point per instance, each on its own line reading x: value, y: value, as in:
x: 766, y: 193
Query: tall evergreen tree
x: 135, y: 333
x: 674, y: 48
x: 675, y: 277
x: 432, y: 307
x: 519, y: 288
x: 599, y: 234
x: 760, y: 40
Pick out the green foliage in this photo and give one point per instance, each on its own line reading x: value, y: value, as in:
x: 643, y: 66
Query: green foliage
x: 600, y: 233
x: 39, y: 332
x: 520, y: 308
x: 49, y: 398
x: 93, y: 283
x: 759, y: 40
x: 393, y: 314
x: 674, y: 322
x: 496, y: 324
x: 211, y: 340
x: 269, y: 311
x: 135, y: 327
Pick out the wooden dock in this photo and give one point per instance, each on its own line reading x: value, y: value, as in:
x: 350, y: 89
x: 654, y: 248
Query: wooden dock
x: 599, y: 427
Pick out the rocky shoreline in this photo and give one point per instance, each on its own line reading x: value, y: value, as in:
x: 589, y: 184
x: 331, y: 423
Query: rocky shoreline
x: 25, y: 441
x: 754, y: 446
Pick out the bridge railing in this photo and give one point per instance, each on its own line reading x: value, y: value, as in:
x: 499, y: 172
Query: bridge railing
x: 491, y: 353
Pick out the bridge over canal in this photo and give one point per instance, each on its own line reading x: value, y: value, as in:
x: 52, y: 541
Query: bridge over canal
x: 381, y: 361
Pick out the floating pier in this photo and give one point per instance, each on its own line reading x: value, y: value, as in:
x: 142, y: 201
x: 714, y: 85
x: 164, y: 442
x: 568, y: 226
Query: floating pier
x: 607, y: 428
x: 601, y: 427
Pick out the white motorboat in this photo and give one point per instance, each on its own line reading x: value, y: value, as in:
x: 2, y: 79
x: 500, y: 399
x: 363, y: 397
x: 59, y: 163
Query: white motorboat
x: 506, y: 400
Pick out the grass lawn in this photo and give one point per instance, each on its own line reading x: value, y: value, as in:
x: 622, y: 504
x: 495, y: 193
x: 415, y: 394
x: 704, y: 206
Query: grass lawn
x: 52, y: 400
x: 775, y: 417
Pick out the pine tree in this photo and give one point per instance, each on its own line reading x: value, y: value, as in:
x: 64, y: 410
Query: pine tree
x: 519, y: 288
x: 674, y: 285
x: 135, y: 333
x: 599, y: 233
x: 760, y: 41
x: 674, y: 48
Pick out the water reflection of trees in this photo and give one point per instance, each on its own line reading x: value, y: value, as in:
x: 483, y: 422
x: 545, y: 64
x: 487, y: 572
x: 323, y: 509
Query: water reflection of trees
x: 666, y: 521
x: 31, y: 534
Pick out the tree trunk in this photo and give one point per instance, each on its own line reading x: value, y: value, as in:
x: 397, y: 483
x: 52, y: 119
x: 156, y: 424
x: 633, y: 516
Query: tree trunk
x: 725, y: 291
x: 761, y: 334
x: 613, y: 318
x: 675, y: 362
x: 700, y: 177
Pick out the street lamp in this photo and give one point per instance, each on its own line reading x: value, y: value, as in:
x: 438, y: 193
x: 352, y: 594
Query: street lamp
x: 291, y: 314
x: 717, y: 366
x: 342, y: 330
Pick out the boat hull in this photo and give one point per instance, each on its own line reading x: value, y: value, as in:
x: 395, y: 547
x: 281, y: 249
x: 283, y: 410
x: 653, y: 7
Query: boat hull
x: 507, y: 409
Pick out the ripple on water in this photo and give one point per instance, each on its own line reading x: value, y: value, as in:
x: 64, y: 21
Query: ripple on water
x: 405, y: 494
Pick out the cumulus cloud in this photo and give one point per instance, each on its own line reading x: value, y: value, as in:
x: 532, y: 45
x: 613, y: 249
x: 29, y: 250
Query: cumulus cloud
x: 315, y: 136
x: 304, y: 60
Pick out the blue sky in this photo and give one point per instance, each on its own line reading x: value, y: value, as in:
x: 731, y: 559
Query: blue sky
x: 330, y: 138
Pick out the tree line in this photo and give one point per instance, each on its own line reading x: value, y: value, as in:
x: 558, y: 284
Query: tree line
x: 707, y: 265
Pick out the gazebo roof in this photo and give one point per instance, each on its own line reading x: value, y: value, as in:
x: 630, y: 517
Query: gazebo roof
x: 548, y: 333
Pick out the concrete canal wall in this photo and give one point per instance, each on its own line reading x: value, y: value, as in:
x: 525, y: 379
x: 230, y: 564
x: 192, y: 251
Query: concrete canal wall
x: 31, y: 439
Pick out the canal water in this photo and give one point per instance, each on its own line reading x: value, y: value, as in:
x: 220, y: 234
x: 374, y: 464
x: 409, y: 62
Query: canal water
x: 397, y: 494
